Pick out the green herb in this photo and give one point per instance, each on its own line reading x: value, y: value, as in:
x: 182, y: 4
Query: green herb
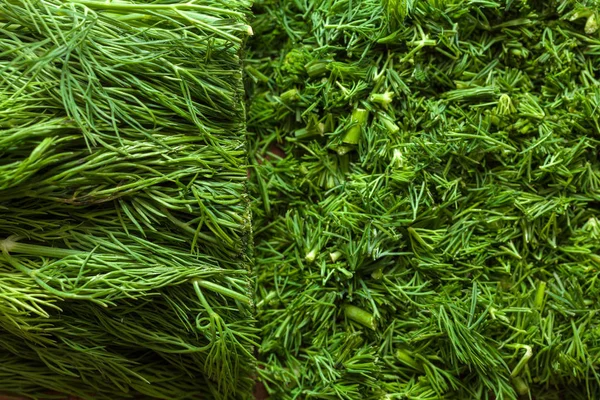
x: 426, y: 203
x: 124, y: 224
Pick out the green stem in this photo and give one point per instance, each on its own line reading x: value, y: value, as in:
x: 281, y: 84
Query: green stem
x: 358, y: 120
x: 539, y: 296
x: 406, y: 357
x: 257, y: 74
x: 133, y: 6
x: 202, y: 299
x: 360, y: 316
x: 528, y: 354
x: 388, y: 123
x: 222, y: 290
x: 384, y: 99
x: 520, y: 386
x: 10, y: 246
x: 335, y: 256
x: 311, y: 256
x: 289, y: 95
x: 317, y: 68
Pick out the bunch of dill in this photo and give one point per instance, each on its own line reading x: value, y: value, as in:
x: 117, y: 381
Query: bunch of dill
x: 426, y: 207
x: 124, y: 223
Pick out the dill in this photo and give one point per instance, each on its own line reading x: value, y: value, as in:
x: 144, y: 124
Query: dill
x: 426, y: 198
x: 124, y: 229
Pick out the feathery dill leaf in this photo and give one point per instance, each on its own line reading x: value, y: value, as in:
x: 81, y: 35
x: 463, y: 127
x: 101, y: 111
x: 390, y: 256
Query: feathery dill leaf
x: 125, y: 225
x: 431, y: 166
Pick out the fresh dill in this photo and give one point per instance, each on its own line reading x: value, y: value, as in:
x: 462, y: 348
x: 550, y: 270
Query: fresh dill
x: 124, y: 228
x: 426, y: 206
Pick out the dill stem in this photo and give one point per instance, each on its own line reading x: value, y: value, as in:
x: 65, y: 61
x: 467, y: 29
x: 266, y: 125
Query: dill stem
x: 359, y: 118
x: 539, y: 296
x: 521, y: 364
x: 520, y: 386
x: 407, y: 359
x: 202, y: 298
x: 9, y: 246
x: 134, y: 6
x: 360, y: 316
x: 222, y: 290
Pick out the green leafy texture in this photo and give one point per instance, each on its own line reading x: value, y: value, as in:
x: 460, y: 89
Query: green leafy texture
x: 124, y: 228
x: 446, y: 244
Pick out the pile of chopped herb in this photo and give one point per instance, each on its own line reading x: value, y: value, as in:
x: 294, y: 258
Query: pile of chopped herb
x: 124, y: 219
x: 426, y: 210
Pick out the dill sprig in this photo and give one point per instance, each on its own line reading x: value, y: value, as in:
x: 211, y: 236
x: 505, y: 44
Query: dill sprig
x: 124, y: 265
x: 426, y: 187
